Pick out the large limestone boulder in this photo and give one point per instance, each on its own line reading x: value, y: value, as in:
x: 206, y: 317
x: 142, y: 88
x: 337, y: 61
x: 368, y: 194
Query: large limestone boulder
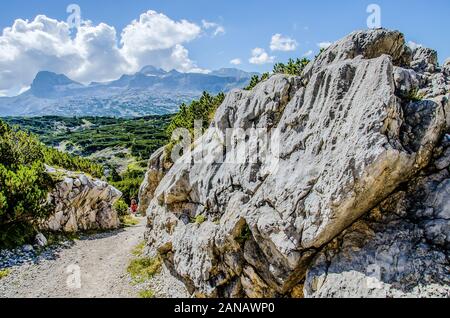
x: 81, y: 203
x: 287, y: 167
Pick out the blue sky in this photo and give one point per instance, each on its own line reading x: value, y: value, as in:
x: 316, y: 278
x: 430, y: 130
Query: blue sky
x: 250, y: 24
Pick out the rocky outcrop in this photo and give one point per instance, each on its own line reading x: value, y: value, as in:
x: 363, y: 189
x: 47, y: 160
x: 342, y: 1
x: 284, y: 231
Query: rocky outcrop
x: 157, y: 168
x: 446, y: 67
x: 285, y: 170
x: 424, y: 60
x: 367, y: 45
x: 400, y: 249
x: 81, y: 203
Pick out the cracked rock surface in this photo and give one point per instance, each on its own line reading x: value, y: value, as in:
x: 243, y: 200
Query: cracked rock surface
x: 399, y: 249
x: 81, y: 203
x: 289, y: 195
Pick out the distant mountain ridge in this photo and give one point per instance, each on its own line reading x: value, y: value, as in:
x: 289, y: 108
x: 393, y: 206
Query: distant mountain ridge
x: 47, y: 84
x: 151, y: 91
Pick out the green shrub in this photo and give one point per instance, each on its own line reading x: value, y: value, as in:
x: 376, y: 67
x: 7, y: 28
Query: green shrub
x: 56, y: 158
x: 142, y: 136
x: 255, y: 80
x: 129, y: 220
x: 129, y: 188
x: 23, y: 186
x: 202, y: 109
x: 415, y: 96
x: 121, y: 208
x: 129, y: 182
x: 199, y: 219
x: 245, y: 235
x: 293, y: 67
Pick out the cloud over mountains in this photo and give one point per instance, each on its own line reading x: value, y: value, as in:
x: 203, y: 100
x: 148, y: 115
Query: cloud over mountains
x: 93, y: 52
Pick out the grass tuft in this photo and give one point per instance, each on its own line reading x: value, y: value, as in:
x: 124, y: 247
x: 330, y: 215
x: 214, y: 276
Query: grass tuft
x: 129, y: 220
x: 146, y: 293
x: 415, y: 96
x: 245, y: 235
x: 138, y: 250
x: 200, y: 219
x: 4, y: 273
x: 144, y: 268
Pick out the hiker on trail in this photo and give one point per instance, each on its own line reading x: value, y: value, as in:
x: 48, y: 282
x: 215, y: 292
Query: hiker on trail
x: 134, y: 206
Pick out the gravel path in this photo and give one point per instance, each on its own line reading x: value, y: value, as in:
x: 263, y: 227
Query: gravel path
x: 102, y: 260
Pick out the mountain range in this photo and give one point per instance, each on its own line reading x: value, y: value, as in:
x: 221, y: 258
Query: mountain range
x: 151, y: 91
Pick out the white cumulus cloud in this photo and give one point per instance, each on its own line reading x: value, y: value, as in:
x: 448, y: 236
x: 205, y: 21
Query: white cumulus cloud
x: 308, y: 53
x: 236, y: 62
x: 95, y: 52
x: 217, y: 28
x: 282, y: 43
x: 260, y: 56
x: 157, y: 40
x: 324, y: 45
x: 413, y: 45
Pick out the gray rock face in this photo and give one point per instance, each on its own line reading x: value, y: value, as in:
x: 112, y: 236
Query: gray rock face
x: 157, y: 168
x: 424, y: 60
x: 289, y: 166
x: 400, y: 249
x: 406, y: 81
x: 446, y: 67
x: 368, y: 45
x: 81, y: 204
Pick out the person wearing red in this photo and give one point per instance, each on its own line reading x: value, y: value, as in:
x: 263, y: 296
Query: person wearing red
x: 134, y: 206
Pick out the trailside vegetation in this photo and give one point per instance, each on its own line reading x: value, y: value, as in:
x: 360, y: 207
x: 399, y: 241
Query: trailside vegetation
x: 88, y: 136
x: 24, y: 185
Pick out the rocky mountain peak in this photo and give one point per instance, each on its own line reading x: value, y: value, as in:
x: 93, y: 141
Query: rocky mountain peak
x: 151, y: 70
x: 45, y: 83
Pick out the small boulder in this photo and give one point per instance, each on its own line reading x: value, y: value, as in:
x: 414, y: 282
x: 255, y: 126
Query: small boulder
x: 84, y: 180
x: 77, y: 183
x: 27, y: 248
x: 41, y: 240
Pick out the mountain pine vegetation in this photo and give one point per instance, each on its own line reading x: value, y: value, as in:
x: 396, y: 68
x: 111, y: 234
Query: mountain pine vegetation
x: 84, y: 136
x: 292, y: 67
x: 24, y: 184
x: 89, y: 136
x: 202, y: 109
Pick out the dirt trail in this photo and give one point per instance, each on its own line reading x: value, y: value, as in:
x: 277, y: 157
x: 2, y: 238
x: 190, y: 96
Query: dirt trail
x: 102, y: 260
